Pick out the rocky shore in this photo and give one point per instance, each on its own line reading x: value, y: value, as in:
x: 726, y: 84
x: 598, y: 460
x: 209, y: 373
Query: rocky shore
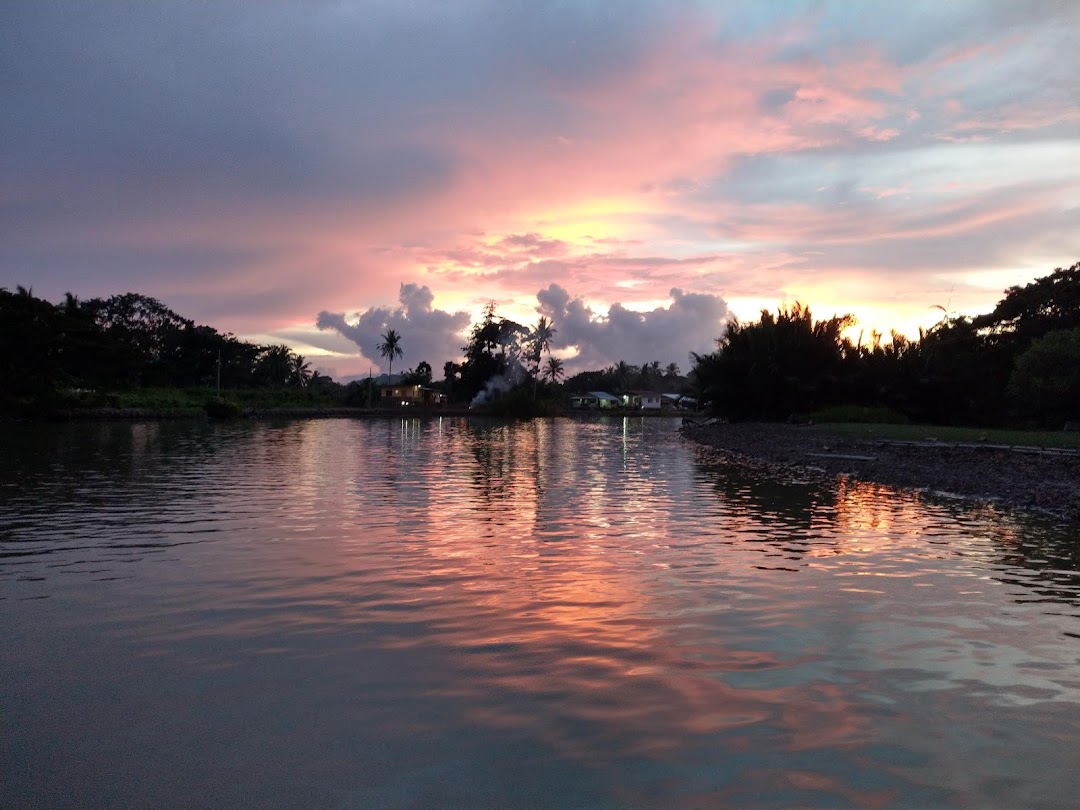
x: 1030, y: 479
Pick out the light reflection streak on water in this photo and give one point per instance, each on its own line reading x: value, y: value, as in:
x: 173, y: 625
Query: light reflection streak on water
x: 594, y: 603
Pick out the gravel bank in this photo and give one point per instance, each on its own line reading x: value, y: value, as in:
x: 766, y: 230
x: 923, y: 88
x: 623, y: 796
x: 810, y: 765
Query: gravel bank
x: 1026, y: 479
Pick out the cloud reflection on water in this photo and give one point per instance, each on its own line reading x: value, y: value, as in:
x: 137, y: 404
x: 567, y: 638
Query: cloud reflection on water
x: 590, y: 604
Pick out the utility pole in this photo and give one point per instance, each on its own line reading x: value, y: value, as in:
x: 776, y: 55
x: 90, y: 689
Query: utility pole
x: 219, y: 373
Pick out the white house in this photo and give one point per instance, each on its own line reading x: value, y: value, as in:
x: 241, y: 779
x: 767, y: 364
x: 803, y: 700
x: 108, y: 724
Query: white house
x: 645, y: 400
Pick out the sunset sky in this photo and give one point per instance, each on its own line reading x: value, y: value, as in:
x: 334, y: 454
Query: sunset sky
x: 312, y: 173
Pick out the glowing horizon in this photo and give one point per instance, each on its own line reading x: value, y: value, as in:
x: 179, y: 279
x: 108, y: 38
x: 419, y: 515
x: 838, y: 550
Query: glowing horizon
x: 642, y: 171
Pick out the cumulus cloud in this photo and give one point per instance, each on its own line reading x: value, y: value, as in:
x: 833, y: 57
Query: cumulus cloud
x: 692, y: 322
x: 427, y: 334
x: 242, y: 161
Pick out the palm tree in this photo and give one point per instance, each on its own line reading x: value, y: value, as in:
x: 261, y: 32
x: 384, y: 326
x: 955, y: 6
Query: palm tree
x: 390, y: 348
x: 275, y: 365
x: 553, y: 370
x: 672, y: 370
x: 541, y: 341
x: 301, y: 371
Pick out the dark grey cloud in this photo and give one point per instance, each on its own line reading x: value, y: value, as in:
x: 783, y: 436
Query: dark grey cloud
x: 121, y: 113
x: 428, y: 334
x: 187, y: 104
x: 691, y: 323
x: 270, y: 93
x: 129, y: 126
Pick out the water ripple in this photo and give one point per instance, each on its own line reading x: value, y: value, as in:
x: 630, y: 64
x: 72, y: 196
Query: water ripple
x: 401, y: 612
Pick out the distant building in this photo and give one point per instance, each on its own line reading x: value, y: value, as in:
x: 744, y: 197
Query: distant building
x: 678, y: 402
x: 405, y: 396
x: 595, y: 399
x: 645, y: 400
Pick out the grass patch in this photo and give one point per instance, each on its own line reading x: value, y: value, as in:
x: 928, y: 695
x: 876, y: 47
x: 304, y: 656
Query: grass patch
x: 165, y: 402
x: 861, y: 414
x: 158, y: 399
x: 173, y: 399
x: 916, y: 433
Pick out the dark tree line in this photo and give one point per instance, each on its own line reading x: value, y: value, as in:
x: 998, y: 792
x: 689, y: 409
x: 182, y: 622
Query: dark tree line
x: 1019, y: 364
x: 57, y: 353
x: 623, y: 377
x: 126, y: 341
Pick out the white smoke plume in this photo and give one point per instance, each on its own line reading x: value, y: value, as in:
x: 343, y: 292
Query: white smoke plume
x: 501, y: 383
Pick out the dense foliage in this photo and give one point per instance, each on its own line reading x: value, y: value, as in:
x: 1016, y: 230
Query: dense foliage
x: 1018, y: 364
x: 625, y: 376
x: 129, y: 341
x: 494, y: 352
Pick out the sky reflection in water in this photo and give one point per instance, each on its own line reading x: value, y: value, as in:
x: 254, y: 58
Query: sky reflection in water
x: 410, y: 613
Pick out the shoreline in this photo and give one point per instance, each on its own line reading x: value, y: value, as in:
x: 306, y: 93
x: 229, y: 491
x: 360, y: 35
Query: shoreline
x: 1042, y: 481
x: 1026, y: 479
x: 314, y: 412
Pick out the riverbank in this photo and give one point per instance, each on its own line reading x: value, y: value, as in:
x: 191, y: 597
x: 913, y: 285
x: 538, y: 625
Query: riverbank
x: 1032, y: 479
x: 169, y: 414
x: 307, y: 412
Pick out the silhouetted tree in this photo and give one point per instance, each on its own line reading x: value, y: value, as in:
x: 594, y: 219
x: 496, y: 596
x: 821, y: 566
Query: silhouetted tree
x: 1017, y: 361
x: 361, y: 392
x: 300, y: 372
x: 32, y: 363
x: 421, y: 375
x: 274, y: 366
x: 1045, y: 385
x: 540, y: 342
x: 147, y: 334
x: 622, y: 373
x: 451, y: 370
x: 553, y: 370
x: 593, y: 380
x: 1048, y: 304
x: 321, y: 384
x: 494, y: 349
x: 389, y: 348
x: 955, y: 378
x: 775, y: 367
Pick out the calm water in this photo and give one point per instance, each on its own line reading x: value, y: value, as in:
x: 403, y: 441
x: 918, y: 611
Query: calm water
x: 448, y: 613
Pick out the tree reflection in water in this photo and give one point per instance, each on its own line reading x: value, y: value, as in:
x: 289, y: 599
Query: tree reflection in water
x: 463, y: 612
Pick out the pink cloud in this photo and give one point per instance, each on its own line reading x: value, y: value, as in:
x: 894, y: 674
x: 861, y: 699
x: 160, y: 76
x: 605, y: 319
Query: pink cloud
x: 670, y: 166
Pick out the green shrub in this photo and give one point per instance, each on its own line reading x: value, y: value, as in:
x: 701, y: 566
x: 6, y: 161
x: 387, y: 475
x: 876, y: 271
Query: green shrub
x: 1045, y: 383
x: 860, y: 414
